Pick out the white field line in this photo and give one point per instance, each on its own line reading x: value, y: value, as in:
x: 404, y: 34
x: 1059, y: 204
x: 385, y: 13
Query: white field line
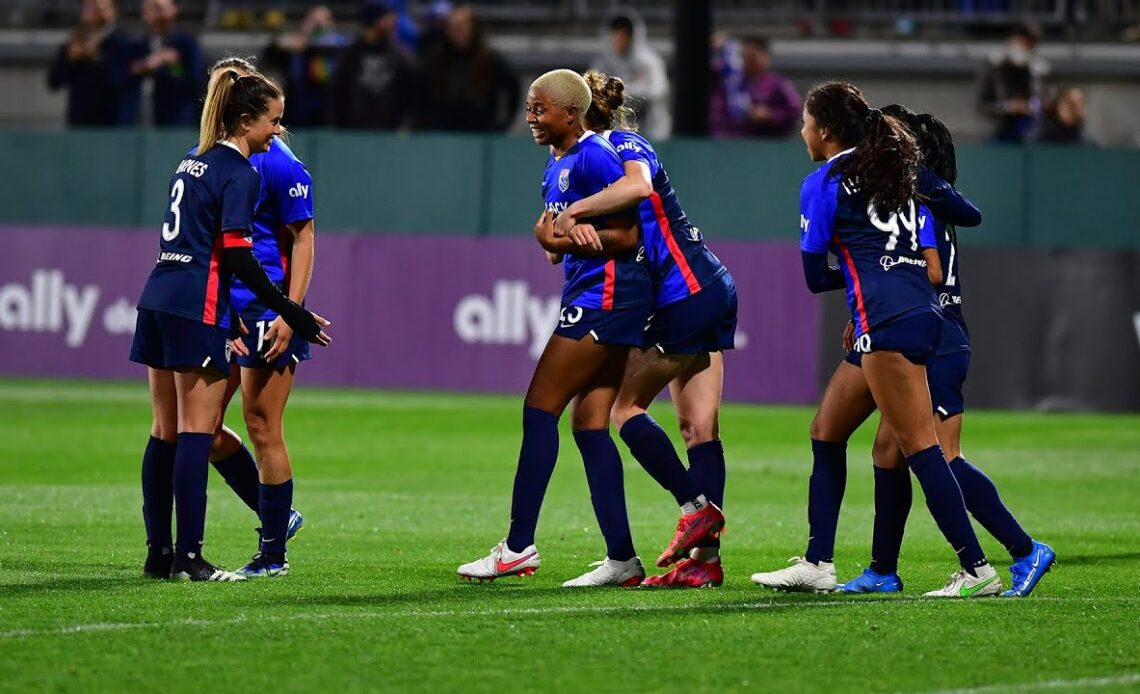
x: 96, y: 627
x: 1084, y: 683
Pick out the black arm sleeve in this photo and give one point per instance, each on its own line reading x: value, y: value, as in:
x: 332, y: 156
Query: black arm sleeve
x: 244, y: 266
x: 820, y: 276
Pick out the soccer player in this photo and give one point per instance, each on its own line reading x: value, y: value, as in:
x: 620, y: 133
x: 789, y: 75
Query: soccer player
x: 283, y: 233
x: 181, y: 333
x: 946, y: 373
x: 605, y: 304
x: 694, y: 319
x: 860, y: 204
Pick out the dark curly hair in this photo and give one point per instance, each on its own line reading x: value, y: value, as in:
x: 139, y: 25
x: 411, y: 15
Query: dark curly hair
x: 935, y: 142
x: 884, y: 164
x: 608, y: 110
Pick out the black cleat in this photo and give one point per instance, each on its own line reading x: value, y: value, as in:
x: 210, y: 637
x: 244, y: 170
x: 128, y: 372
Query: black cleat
x: 192, y: 567
x: 158, y: 561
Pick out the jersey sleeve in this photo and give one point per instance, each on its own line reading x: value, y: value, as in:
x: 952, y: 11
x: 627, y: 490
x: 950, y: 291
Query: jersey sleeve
x: 239, y: 197
x: 632, y: 150
x: 817, y: 215
x: 291, y: 188
x: 926, y: 237
x: 600, y: 167
x: 945, y: 201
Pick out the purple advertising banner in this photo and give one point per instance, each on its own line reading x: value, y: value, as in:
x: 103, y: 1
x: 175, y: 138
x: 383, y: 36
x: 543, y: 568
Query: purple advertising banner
x: 425, y: 312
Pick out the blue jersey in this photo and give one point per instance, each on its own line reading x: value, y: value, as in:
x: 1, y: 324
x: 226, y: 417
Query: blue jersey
x: 881, y: 260
x: 680, y: 262
x: 616, y: 283
x: 955, y: 336
x: 211, y: 205
x: 286, y: 197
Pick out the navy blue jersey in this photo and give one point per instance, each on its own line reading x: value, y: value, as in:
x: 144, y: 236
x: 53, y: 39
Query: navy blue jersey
x: 286, y: 197
x: 881, y: 260
x: 212, y: 198
x: 955, y: 336
x: 680, y: 262
x: 616, y: 283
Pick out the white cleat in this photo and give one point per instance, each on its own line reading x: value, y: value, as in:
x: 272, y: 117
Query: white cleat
x: 801, y: 577
x: 610, y: 573
x: 501, y: 562
x: 964, y: 585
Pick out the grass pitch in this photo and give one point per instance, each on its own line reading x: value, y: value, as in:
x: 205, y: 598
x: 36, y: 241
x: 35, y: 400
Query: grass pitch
x: 398, y: 489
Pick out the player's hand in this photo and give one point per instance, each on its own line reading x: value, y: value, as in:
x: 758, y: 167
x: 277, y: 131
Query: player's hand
x: 278, y: 338
x: 849, y: 336
x: 544, y: 226
x: 554, y: 258
x: 586, y: 235
x: 322, y: 337
x: 241, y: 327
x: 238, y: 347
x: 563, y: 223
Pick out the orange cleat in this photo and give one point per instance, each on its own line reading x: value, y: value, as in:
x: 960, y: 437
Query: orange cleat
x: 689, y: 573
x: 691, y: 529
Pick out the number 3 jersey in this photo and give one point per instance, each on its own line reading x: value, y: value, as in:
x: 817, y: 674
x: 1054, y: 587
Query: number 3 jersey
x: 210, y: 208
x: 286, y: 198
x: 881, y: 259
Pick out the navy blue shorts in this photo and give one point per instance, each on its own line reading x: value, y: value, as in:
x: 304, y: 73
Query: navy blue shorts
x: 297, y: 352
x: 174, y: 343
x: 614, y: 327
x: 700, y: 323
x: 915, y: 337
x: 946, y: 373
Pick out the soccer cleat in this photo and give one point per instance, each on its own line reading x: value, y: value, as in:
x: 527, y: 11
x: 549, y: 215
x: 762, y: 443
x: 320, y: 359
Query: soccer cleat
x: 626, y: 574
x: 801, y: 577
x: 192, y: 567
x: 501, y: 562
x: 158, y: 561
x: 1027, y: 571
x: 963, y: 584
x: 871, y: 582
x: 689, y: 573
x: 691, y: 529
x: 264, y: 565
x: 296, y: 524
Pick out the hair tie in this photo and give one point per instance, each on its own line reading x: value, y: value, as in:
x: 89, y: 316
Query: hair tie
x: 234, y: 76
x: 873, y: 115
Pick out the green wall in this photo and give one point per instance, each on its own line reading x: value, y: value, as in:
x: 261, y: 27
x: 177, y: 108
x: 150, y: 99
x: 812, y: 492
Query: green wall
x: 1035, y: 196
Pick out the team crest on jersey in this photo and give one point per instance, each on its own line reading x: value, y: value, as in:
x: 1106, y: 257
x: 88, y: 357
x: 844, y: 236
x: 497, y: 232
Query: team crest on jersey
x: 229, y: 349
x: 564, y: 180
x: 694, y: 234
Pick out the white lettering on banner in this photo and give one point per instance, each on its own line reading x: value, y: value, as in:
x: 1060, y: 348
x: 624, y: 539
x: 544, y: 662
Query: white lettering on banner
x: 48, y: 304
x: 507, y: 317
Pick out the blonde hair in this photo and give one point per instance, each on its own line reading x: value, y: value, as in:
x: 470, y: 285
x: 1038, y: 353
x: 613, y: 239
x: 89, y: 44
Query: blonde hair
x: 229, y: 96
x: 567, y: 87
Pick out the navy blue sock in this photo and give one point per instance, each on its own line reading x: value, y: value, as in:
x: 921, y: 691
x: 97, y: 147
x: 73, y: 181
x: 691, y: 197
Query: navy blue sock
x: 893, y: 498
x: 607, y: 490
x: 158, y: 492
x: 240, y: 473
x: 651, y: 446
x: 985, y: 504
x: 191, y: 472
x: 825, y: 496
x: 706, y: 468
x: 944, y: 499
x: 537, y: 457
x: 276, y: 502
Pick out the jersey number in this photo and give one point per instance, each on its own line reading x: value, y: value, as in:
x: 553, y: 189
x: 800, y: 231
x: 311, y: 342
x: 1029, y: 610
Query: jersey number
x: 908, y: 218
x: 951, y: 279
x: 176, y: 191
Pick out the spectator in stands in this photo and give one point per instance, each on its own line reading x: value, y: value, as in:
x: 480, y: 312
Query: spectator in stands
x: 1009, y: 88
x: 373, y: 85
x: 749, y: 98
x: 466, y: 85
x: 1064, y: 122
x: 170, y: 68
x: 94, y: 65
x: 305, y: 63
x: 642, y: 69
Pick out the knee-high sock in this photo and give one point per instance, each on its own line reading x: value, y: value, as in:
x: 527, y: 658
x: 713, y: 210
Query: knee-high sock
x: 944, y: 499
x: 240, y: 473
x: 985, y: 504
x: 276, y: 501
x: 191, y: 470
x: 537, y: 457
x: 707, y: 470
x: 607, y: 490
x: 893, y: 498
x: 651, y: 446
x: 158, y: 492
x: 825, y: 497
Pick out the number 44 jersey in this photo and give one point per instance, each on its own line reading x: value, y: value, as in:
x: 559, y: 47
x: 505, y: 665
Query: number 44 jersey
x: 210, y: 208
x: 881, y: 259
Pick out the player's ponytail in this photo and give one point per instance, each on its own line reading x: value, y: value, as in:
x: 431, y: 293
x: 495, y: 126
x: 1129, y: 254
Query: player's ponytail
x: 884, y: 164
x: 228, y: 98
x: 935, y: 142
x: 608, y: 110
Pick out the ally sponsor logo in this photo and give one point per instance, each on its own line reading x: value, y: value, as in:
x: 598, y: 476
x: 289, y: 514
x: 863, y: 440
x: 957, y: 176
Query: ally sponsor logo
x: 47, y: 303
x: 511, y: 315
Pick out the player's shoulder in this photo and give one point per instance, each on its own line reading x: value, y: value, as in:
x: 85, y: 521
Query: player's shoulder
x: 819, y: 182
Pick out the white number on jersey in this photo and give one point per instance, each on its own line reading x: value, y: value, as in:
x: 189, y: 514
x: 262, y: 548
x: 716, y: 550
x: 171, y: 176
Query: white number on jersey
x: 176, y: 192
x: 909, y: 219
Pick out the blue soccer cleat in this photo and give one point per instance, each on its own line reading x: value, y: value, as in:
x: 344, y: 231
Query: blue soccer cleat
x: 265, y: 566
x: 871, y: 582
x: 296, y: 524
x: 1027, y: 571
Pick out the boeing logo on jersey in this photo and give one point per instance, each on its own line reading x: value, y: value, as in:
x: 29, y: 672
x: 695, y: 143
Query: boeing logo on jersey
x: 640, y: 254
x: 564, y: 180
x: 945, y: 299
x: 299, y: 190
x: 193, y: 167
x: 888, y: 262
x: 509, y: 316
x: 175, y: 257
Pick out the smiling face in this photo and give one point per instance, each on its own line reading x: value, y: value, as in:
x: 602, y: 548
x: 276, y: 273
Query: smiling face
x: 262, y: 129
x: 813, y: 137
x: 549, y: 123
